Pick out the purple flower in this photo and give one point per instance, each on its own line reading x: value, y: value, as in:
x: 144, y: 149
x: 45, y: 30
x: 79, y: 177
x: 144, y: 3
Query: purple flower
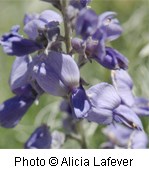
x: 56, y: 73
x: 84, y: 3
x: 127, y: 116
x: 79, y: 4
x: 124, y: 85
x: 40, y: 139
x: 15, y: 44
x: 112, y: 59
x: 102, y: 104
x: 13, y: 109
x: 20, y: 72
x: 80, y: 103
x: 29, y: 17
x: 104, y: 100
x: 38, y: 24
x: 95, y: 31
x: 77, y: 45
x: 86, y: 23
x: 120, y: 136
x: 89, y: 24
x: 141, y: 106
x: 110, y: 25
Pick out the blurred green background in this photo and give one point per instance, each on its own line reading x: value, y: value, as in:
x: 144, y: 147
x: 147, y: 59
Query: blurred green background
x: 134, y: 44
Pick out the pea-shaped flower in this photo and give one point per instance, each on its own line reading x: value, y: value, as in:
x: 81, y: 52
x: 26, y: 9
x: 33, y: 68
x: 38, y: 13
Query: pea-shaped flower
x: 104, y: 99
x: 124, y: 85
x: 34, y: 25
x: 14, y: 44
x: 124, y: 137
x: 102, y: 105
x: 56, y: 73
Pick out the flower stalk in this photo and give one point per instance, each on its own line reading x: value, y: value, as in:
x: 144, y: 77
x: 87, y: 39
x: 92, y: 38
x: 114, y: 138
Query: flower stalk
x: 66, y: 25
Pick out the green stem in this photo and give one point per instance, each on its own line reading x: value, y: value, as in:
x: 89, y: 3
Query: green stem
x: 81, y: 132
x: 66, y: 25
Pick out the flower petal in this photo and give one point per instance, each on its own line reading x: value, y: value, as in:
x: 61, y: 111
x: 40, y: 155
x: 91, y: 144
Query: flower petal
x: 104, y: 100
x: 139, y: 140
x: 86, y: 23
x: 14, y: 44
x: 57, y: 73
x: 125, y: 115
x: 110, y: 25
x: 49, y: 16
x: 141, y: 106
x: 100, y: 115
x: 20, y: 72
x: 30, y: 17
x: 32, y: 28
x: 79, y: 103
x: 124, y: 137
x: 113, y: 59
x: 104, y: 96
x: 123, y: 84
x: 118, y: 134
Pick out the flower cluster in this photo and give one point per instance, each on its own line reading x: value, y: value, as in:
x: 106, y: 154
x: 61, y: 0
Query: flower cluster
x: 46, y: 63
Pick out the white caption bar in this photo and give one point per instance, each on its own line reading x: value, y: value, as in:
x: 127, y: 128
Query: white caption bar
x: 116, y: 164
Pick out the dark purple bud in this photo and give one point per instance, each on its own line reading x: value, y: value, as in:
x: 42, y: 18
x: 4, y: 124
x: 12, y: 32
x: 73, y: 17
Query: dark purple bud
x: 86, y: 23
x: 123, y: 84
x: 84, y: 3
x: 104, y: 99
x: 77, y: 45
x: 113, y: 59
x: 12, y: 110
x: 110, y: 25
x: 40, y: 139
x: 56, y: 73
x: 80, y: 103
x: 127, y: 116
x: 79, y: 4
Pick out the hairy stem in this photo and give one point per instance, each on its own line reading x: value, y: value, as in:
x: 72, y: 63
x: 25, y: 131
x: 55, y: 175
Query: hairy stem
x: 66, y: 25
